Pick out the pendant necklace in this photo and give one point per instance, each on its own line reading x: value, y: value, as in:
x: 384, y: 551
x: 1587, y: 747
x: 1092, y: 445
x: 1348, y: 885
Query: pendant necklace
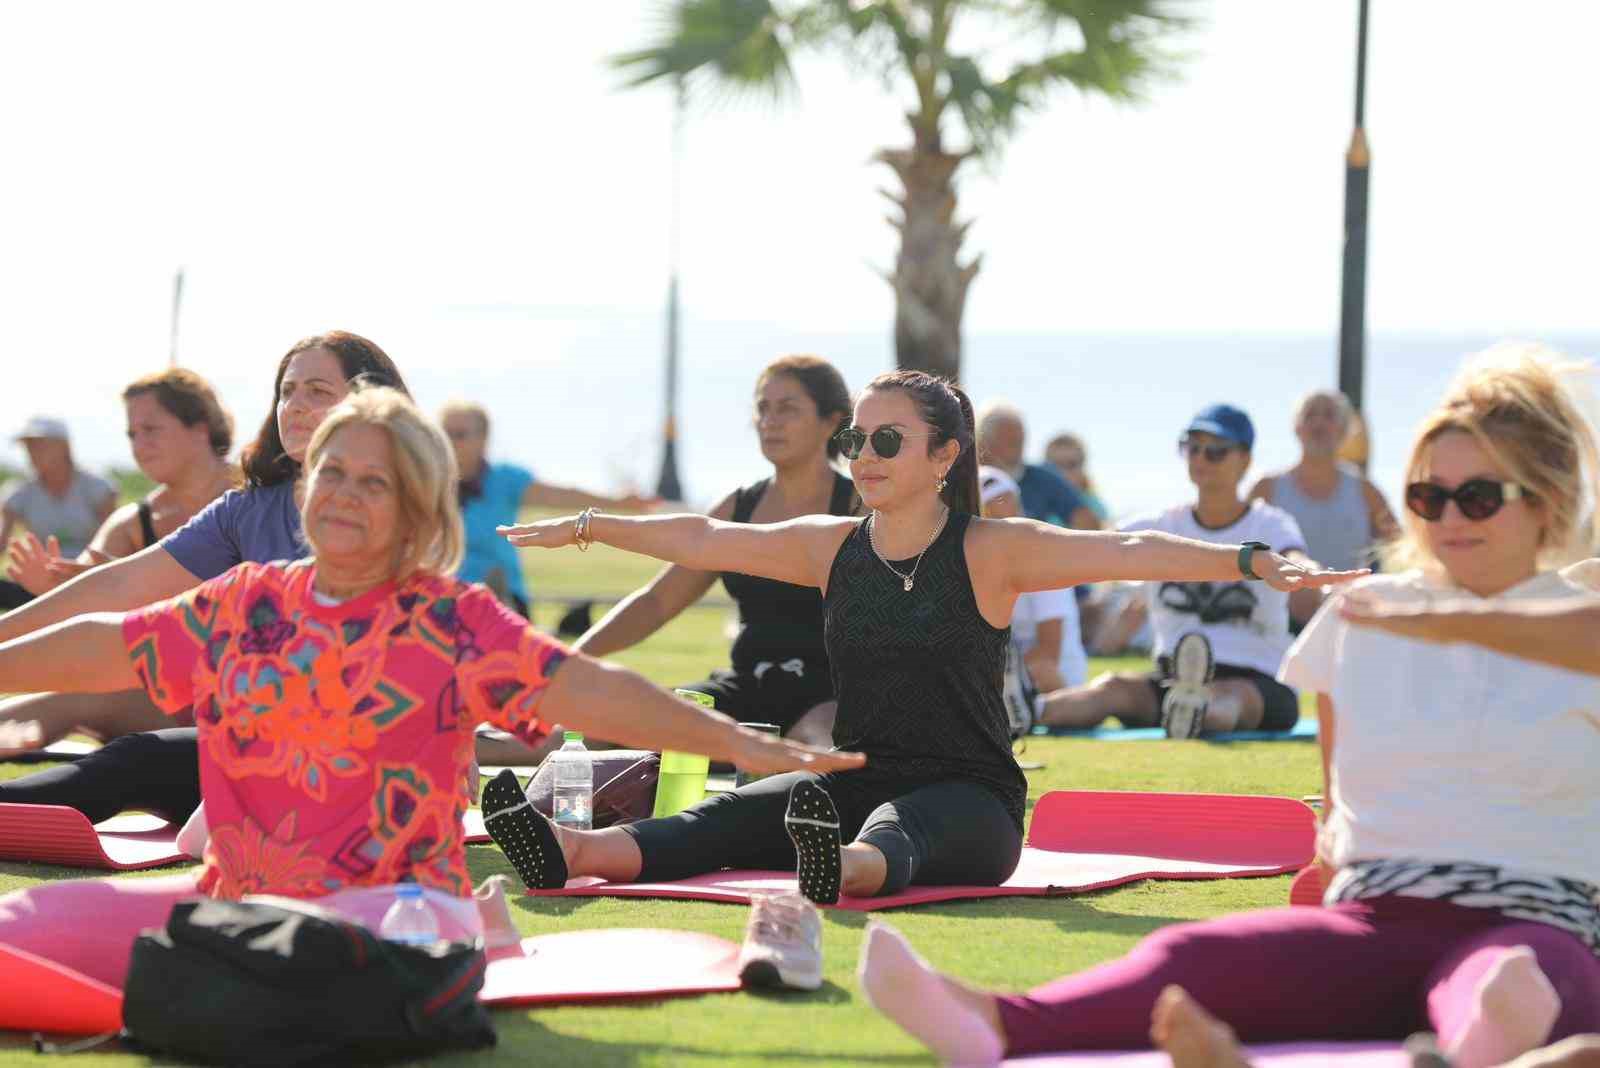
x: 907, y: 578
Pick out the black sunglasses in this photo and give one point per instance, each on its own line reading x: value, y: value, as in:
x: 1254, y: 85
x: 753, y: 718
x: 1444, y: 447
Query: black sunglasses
x: 1188, y: 448
x: 886, y: 441
x: 1478, y: 498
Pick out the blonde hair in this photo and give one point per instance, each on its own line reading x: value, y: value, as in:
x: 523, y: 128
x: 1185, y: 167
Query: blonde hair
x: 425, y: 476
x: 476, y: 412
x: 1521, y: 403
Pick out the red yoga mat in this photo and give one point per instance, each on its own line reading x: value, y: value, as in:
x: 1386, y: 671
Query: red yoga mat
x: 578, y: 966
x: 39, y: 995
x: 1079, y: 841
x: 1307, y: 887
x: 55, y: 834
x: 1282, y: 1055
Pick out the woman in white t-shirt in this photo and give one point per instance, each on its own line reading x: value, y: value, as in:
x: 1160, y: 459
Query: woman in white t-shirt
x: 1463, y: 803
x: 1225, y: 680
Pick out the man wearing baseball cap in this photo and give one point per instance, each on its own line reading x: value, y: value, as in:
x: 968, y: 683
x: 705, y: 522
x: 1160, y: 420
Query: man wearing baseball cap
x: 1217, y: 644
x: 60, y: 501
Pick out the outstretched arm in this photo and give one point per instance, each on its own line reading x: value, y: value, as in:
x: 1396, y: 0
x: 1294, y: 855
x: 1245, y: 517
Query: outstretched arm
x: 798, y: 551
x: 82, y: 655
x: 145, y: 577
x: 1560, y: 633
x: 1034, y: 556
x: 611, y: 702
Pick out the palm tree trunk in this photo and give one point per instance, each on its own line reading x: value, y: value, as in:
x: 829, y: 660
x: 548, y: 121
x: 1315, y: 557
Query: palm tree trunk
x: 930, y: 283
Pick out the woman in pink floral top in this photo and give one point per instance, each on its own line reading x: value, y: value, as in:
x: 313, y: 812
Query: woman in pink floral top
x: 336, y: 698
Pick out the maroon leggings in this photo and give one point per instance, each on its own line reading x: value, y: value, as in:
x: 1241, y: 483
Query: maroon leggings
x: 1378, y: 969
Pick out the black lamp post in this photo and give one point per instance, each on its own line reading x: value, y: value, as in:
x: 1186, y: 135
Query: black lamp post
x: 1353, y: 296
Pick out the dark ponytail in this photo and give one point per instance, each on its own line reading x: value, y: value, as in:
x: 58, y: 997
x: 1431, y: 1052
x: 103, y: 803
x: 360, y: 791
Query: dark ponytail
x: 945, y: 407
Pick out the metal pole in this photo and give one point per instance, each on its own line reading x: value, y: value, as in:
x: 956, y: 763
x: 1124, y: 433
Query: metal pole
x: 1353, y: 295
x: 177, y: 307
x: 668, y: 487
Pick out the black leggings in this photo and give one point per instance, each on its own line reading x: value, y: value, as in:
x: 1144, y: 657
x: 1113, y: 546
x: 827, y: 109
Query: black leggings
x: 932, y: 834
x: 153, y: 771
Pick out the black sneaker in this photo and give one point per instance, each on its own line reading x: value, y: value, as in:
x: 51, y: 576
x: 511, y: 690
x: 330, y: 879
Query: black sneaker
x: 1020, y: 695
x: 1183, y: 706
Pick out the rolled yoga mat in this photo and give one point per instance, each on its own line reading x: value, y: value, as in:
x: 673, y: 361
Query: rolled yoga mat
x: 1080, y: 840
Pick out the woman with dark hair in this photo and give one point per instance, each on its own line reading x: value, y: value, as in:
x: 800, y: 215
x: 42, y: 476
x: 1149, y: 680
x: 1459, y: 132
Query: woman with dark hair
x: 780, y: 670
x: 157, y: 770
x: 917, y: 600
x: 180, y: 435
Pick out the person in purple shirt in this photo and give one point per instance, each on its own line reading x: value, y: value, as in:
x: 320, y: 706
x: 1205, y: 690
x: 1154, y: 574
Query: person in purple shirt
x: 259, y: 523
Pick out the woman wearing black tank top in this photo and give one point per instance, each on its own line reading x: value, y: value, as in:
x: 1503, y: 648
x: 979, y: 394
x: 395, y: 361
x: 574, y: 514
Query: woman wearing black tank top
x: 780, y: 670
x: 918, y: 604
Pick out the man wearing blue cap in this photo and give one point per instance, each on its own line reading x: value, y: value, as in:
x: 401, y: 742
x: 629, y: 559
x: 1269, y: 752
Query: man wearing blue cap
x: 1218, y: 644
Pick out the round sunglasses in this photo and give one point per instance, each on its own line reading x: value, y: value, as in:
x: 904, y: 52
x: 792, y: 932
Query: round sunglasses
x: 886, y: 441
x: 1478, y: 498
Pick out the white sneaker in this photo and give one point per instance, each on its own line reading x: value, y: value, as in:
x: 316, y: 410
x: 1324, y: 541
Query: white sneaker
x: 1183, y: 707
x: 1020, y: 695
x: 782, y: 943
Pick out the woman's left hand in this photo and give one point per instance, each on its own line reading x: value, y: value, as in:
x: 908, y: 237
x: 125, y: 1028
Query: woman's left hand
x: 1284, y: 574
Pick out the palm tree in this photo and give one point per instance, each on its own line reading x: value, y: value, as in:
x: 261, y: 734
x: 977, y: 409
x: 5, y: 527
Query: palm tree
x: 1006, y: 57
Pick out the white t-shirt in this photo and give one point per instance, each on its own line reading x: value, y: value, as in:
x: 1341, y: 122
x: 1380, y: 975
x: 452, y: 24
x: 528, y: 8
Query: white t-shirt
x: 71, y: 520
x: 1454, y: 752
x: 1246, y: 622
x: 1033, y: 608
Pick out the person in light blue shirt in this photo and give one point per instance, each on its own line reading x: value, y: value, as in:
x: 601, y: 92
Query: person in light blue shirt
x: 492, y: 495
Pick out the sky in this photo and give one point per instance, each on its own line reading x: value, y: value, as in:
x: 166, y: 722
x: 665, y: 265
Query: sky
x: 469, y: 185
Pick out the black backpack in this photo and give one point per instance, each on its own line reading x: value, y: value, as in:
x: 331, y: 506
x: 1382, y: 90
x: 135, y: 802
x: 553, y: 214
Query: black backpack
x: 258, y: 984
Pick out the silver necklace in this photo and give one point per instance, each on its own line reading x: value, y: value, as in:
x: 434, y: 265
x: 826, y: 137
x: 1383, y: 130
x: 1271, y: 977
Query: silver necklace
x: 908, y: 578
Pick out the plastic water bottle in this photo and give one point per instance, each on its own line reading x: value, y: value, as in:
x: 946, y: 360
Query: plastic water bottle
x: 574, y: 795
x: 409, y: 920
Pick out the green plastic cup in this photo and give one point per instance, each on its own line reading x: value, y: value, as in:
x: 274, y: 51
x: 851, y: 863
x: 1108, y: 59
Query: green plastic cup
x: 683, y: 775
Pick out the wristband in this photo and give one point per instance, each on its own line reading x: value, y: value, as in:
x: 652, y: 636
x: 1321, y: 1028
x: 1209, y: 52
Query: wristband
x: 1246, y: 552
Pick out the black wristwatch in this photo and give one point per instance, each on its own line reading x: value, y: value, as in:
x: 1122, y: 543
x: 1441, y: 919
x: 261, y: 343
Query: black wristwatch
x: 1246, y: 552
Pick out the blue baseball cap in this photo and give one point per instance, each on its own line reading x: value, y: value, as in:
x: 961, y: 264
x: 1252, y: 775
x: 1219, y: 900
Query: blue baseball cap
x: 1226, y: 422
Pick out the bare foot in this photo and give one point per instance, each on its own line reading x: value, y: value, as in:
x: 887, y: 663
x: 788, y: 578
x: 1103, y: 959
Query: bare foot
x: 1191, y: 1036
x: 1514, y: 1008
x: 936, y: 1012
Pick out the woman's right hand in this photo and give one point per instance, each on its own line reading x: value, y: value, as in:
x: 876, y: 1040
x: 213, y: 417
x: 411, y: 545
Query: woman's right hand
x: 766, y: 754
x: 544, y: 534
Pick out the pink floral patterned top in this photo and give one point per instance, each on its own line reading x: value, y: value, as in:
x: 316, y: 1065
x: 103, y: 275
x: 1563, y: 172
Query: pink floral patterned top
x: 335, y: 740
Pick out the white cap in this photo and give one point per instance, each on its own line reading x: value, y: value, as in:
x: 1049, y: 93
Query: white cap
x: 993, y: 482
x: 42, y: 426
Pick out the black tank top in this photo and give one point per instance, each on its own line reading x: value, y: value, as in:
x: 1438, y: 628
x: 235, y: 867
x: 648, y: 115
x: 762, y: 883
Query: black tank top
x: 917, y: 672
x: 147, y: 526
x: 778, y: 620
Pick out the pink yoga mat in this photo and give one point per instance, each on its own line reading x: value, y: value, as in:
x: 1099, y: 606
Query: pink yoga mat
x: 1282, y: 1055
x: 609, y: 965
x: 1079, y: 841
x: 55, y: 834
x: 576, y: 966
x: 1307, y: 887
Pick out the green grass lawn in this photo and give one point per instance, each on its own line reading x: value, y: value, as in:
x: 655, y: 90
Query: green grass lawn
x: 1010, y: 944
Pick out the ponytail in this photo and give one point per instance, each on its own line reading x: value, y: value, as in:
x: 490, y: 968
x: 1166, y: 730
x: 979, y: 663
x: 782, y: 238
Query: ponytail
x: 961, y: 484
